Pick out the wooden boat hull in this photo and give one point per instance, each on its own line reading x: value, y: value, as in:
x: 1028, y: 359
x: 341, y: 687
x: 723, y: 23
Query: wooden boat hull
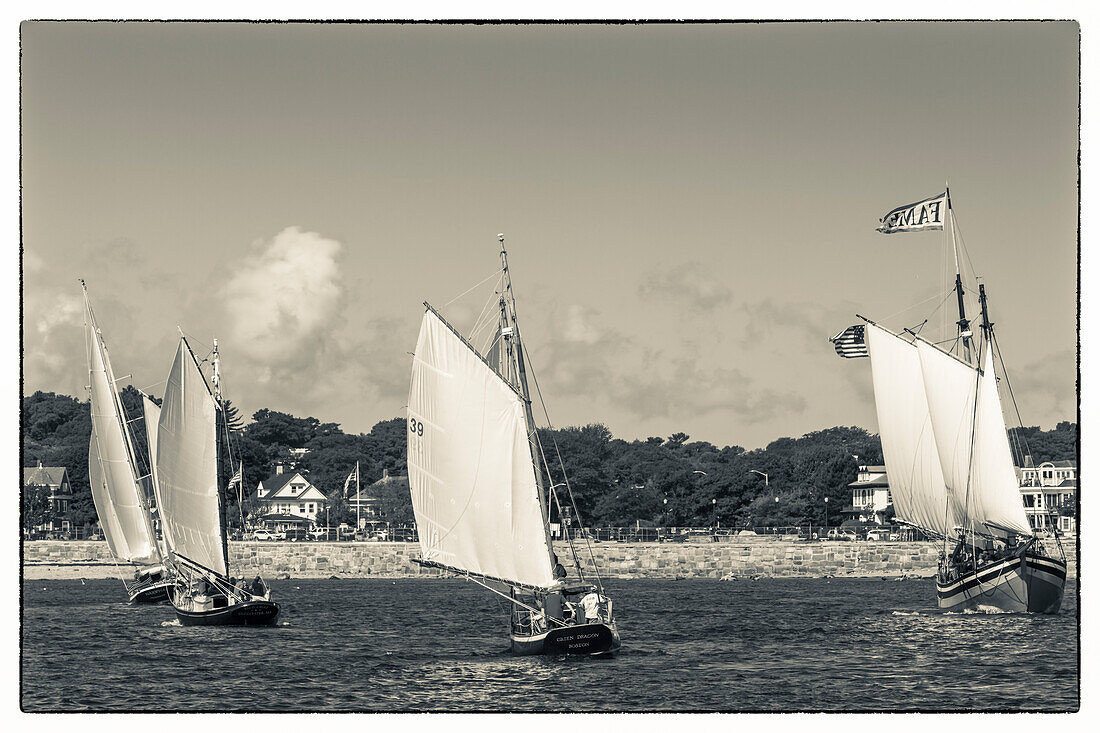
x: 1022, y: 584
x: 151, y: 593
x: 595, y: 640
x: 249, y: 613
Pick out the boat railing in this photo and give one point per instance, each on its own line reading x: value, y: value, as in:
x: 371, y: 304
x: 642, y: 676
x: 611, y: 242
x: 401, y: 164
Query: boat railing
x: 527, y: 622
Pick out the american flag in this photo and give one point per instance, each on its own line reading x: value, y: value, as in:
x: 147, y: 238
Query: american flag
x: 850, y: 342
x: 353, y: 476
x: 238, y: 477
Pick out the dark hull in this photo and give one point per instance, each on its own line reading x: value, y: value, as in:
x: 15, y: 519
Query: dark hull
x: 1027, y: 584
x: 594, y: 640
x: 250, y: 613
x: 154, y: 593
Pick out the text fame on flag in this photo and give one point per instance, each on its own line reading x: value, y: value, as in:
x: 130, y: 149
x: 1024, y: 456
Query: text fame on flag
x: 925, y: 215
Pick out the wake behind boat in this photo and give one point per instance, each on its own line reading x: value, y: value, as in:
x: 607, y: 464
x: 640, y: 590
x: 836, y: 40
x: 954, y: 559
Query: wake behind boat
x: 947, y: 451
x: 120, y: 490
x: 192, y: 506
x: 481, y: 502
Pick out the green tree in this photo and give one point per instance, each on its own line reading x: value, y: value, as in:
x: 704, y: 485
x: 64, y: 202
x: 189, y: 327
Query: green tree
x: 36, y: 506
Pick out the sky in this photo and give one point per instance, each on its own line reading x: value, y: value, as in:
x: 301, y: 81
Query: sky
x: 689, y: 209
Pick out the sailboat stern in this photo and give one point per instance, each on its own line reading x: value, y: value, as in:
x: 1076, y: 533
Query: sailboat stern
x: 592, y: 640
x: 1046, y: 584
x: 1021, y: 584
x: 248, y: 613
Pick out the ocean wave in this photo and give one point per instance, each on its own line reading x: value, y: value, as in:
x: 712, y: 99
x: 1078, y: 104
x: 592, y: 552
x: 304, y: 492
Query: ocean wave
x: 173, y: 622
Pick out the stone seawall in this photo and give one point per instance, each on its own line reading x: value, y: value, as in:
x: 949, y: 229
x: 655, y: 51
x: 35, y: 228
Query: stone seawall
x: 744, y: 557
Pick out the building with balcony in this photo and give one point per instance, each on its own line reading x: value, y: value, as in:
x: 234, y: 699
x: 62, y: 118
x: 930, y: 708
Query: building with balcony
x: 870, y: 495
x: 1049, y: 493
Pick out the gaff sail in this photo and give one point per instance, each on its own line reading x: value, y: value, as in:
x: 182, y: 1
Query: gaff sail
x: 471, y: 474
x: 111, y: 472
x: 186, y: 459
x: 920, y: 495
x: 972, y: 441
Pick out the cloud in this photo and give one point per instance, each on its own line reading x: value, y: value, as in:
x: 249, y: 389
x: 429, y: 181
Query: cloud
x: 809, y: 321
x: 1045, y: 389
x: 581, y: 355
x: 690, y: 286
x: 54, y: 350
x: 32, y: 262
x: 284, y: 301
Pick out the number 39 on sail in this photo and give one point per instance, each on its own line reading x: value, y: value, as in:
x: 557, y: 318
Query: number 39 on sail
x: 479, y: 494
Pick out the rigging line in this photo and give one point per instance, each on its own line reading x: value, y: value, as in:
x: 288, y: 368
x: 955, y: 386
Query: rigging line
x: 565, y: 476
x: 916, y: 305
x: 970, y: 456
x: 1008, y: 383
x: 554, y: 494
x: 497, y: 272
x: 482, y: 319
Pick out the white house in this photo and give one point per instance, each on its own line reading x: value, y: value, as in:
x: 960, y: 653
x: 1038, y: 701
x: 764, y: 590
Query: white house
x: 870, y: 494
x: 1048, y: 489
x: 1044, y: 490
x: 290, y: 496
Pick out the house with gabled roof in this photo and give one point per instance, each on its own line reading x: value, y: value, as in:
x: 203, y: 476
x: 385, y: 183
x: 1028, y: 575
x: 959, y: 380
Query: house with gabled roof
x: 289, y: 499
x: 870, y: 495
x: 55, y: 480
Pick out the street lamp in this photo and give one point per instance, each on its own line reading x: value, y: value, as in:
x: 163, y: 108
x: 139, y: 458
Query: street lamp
x: 753, y: 470
x: 826, y: 514
x: 714, y: 509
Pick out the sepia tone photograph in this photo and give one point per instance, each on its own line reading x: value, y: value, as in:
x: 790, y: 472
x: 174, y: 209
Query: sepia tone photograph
x: 559, y: 367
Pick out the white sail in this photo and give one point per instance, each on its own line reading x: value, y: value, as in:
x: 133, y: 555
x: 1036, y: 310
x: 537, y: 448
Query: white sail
x: 152, y: 419
x: 114, y: 483
x: 920, y: 495
x: 471, y: 474
x: 972, y: 443
x: 186, y: 459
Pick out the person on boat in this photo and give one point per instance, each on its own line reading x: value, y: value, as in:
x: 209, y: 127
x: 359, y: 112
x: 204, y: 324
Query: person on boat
x: 591, y: 605
x: 559, y: 569
x: 258, y: 587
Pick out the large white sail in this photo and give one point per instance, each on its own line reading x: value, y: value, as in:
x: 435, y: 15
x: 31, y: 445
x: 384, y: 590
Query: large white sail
x: 186, y: 459
x: 920, y: 495
x: 972, y: 443
x: 114, y: 482
x: 471, y: 474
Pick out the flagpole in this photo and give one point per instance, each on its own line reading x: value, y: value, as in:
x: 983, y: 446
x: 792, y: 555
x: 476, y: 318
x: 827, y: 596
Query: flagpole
x: 358, y: 499
x: 963, y: 323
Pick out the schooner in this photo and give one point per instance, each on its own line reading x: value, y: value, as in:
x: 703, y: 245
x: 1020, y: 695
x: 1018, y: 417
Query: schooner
x: 946, y: 447
x: 192, y: 506
x: 481, y: 503
x: 120, y: 491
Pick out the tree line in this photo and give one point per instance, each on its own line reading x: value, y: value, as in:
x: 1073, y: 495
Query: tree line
x: 671, y: 481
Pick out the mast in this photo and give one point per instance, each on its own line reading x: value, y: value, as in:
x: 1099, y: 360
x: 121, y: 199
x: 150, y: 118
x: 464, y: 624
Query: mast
x: 963, y: 323
x: 521, y: 375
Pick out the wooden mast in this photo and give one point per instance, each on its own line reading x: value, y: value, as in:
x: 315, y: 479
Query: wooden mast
x: 521, y: 377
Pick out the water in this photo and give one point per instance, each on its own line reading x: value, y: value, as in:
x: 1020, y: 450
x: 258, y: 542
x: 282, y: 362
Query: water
x: 829, y: 644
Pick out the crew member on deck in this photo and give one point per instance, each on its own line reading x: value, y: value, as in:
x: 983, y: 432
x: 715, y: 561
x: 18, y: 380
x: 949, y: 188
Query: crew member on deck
x: 591, y: 605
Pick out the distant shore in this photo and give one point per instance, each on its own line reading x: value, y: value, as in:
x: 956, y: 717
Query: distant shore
x: 748, y: 557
